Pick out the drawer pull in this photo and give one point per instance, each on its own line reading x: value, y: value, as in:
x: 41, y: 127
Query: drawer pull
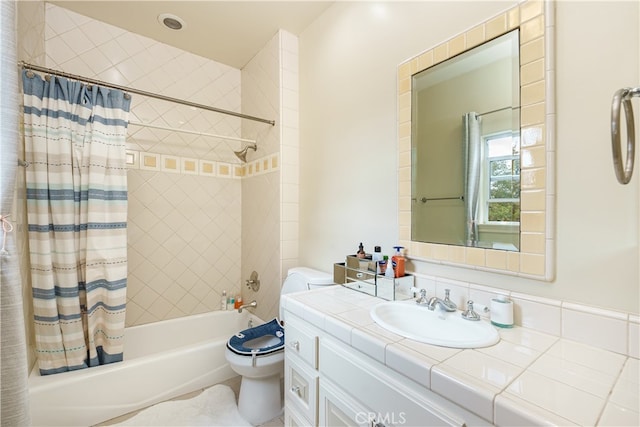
x: 295, y: 345
x: 296, y: 390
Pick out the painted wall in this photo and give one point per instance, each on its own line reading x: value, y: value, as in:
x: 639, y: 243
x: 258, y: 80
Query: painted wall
x: 348, y: 164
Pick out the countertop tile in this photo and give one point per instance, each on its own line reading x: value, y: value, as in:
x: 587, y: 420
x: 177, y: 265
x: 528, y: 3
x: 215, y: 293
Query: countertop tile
x: 512, y: 411
x: 513, y: 353
x: 484, y: 368
x: 616, y: 416
x: 410, y: 363
x: 357, y: 316
x: 368, y: 343
x: 528, y: 338
x: 591, y: 357
x: 559, y: 398
x: 626, y: 394
x: 468, y: 392
x: 431, y: 351
x: 338, y: 328
x: 578, y: 376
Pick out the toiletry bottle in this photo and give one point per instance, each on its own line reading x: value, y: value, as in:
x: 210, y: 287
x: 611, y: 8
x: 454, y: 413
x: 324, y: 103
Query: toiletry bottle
x: 383, y: 264
x: 377, y: 258
x: 223, y: 301
x: 231, y: 303
x: 360, y: 254
x: 238, y: 302
x: 398, y: 261
x: 389, y: 273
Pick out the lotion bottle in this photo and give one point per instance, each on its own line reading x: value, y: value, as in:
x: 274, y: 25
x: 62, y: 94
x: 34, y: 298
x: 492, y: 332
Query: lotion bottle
x: 377, y: 258
x: 223, y: 301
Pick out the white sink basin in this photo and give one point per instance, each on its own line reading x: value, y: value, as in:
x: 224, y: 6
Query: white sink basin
x: 437, y: 327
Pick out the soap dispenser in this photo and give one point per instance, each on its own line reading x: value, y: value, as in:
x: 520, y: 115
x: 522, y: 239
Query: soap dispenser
x: 398, y: 261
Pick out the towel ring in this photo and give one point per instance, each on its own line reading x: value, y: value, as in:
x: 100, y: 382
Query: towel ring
x: 623, y: 97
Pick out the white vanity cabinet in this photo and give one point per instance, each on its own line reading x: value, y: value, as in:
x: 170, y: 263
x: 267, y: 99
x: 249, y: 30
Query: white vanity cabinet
x: 328, y: 383
x: 300, y: 373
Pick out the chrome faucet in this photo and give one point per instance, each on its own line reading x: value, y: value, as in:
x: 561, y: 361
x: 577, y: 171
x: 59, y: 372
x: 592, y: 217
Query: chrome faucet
x: 446, y: 304
x: 252, y: 304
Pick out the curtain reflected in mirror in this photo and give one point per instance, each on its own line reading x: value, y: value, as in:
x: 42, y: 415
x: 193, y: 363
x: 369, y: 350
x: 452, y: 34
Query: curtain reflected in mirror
x: 472, y: 151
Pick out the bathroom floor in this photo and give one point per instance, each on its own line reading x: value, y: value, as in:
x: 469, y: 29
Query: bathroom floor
x: 233, y: 383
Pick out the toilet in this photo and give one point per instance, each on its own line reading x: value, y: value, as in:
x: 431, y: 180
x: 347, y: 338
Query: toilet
x: 257, y: 354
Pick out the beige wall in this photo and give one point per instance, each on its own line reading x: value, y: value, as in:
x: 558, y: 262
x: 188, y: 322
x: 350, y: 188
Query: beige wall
x: 348, y: 178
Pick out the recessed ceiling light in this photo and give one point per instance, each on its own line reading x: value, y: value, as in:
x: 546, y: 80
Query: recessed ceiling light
x: 171, y: 21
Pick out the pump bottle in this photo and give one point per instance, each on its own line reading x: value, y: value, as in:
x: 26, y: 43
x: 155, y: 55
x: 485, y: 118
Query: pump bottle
x: 398, y: 261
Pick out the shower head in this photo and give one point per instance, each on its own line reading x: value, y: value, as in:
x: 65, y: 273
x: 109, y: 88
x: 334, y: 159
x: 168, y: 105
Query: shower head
x: 242, y: 154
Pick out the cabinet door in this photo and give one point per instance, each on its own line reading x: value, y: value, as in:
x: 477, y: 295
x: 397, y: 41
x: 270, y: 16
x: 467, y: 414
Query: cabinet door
x: 301, y: 387
x: 337, y: 409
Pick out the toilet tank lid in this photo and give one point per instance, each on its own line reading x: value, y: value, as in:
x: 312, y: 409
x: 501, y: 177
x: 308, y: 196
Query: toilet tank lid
x: 315, y: 277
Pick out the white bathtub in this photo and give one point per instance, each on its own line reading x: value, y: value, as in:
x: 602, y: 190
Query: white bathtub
x: 161, y: 360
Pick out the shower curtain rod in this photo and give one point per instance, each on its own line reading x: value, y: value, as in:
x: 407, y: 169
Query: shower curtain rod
x: 192, y: 132
x: 499, y: 109
x: 25, y: 65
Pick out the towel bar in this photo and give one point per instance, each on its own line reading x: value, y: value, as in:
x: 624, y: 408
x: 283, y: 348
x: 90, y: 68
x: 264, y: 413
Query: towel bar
x: 623, y: 97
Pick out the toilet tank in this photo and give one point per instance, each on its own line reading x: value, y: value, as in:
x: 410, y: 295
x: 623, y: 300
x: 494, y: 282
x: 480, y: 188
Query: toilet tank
x: 304, y: 278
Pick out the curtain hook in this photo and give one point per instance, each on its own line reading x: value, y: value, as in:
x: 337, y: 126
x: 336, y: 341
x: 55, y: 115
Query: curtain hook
x: 7, y: 227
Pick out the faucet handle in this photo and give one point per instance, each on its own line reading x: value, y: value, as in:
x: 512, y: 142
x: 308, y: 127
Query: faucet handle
x: 423, y: 295
x: 469, y: 314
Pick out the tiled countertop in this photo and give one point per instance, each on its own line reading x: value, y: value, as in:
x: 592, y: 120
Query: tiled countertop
x: 528, y: 378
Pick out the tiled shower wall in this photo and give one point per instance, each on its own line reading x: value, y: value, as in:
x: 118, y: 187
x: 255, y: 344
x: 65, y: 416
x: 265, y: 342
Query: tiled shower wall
x: 184, y: 229
x: 270, y: 200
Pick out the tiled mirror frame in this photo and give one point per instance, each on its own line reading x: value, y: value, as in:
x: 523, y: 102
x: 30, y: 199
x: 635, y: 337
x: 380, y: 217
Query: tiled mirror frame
x: 536, y: 258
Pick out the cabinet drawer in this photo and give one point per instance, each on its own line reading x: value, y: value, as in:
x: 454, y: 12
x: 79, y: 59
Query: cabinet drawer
x: 292, y: 418
x: 301, y: 388
x: 385, y: 395
x: 301, y: 340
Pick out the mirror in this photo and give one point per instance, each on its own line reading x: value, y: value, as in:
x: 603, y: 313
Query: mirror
x: 465, y: 142
x: 526, y: 247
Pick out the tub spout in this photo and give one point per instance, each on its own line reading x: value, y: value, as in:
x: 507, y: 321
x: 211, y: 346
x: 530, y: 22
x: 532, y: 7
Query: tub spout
x: 252, y: 304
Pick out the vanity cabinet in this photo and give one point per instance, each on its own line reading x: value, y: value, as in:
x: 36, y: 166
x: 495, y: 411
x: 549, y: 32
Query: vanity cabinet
x: 300, y: 373
x: 328, y: 383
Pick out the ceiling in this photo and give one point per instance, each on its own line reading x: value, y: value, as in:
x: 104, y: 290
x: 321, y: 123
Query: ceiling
x: 230, y: 32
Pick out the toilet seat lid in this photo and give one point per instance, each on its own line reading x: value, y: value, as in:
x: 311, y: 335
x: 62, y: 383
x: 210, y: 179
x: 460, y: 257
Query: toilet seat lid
x: 259, y: 340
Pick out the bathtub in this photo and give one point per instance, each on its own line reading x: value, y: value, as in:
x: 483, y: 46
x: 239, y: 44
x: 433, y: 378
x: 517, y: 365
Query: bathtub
x: 162, y: 360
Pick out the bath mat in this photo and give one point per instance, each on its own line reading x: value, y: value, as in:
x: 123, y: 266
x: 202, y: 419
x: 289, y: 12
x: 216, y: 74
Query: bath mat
x: 215, y: 406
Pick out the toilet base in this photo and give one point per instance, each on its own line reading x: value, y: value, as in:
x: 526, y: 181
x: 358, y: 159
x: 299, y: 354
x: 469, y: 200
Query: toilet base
x: 260, y: 400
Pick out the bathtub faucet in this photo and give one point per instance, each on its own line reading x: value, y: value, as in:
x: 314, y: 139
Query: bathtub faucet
x: 252, y: 304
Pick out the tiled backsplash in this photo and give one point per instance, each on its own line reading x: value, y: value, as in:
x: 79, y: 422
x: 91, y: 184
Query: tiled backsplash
x: 606, y: 329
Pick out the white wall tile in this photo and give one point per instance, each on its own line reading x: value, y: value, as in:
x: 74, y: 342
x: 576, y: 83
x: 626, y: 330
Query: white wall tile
x: 595, y: 329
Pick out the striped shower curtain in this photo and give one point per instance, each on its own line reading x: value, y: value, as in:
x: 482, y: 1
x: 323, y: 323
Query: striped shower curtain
x: 77, y: 215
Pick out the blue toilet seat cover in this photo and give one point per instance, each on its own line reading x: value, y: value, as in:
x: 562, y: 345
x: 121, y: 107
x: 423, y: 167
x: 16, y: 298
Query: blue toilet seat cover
x: 273, y: 328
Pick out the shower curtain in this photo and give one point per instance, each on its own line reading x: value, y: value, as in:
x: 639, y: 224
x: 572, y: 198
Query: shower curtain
x: 77, y: 213
x: 473, y: 153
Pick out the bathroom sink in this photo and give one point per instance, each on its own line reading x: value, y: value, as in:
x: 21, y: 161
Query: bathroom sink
x: 446, y: 329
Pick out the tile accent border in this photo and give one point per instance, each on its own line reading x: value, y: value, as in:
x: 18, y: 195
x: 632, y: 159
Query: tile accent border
x: 536, y: 259
x: 190, y: 166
